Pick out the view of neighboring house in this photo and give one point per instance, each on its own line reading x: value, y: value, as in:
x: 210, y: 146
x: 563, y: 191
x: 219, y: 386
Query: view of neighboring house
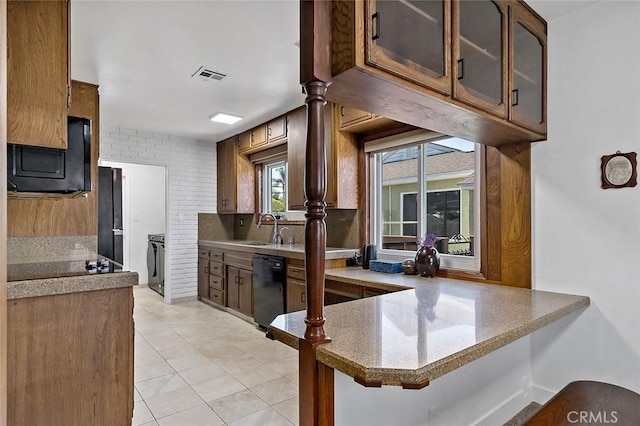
x: 449, y: 197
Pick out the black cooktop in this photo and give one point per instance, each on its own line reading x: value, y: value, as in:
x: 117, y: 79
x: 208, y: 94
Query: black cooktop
x: 61, y: 268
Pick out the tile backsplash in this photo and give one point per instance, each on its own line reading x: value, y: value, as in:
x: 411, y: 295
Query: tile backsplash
x: 342, y: 228
x: 18, y: 247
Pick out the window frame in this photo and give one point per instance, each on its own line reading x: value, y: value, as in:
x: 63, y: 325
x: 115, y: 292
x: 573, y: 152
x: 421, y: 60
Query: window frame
x: 468, y: 264
x: 265, y: 203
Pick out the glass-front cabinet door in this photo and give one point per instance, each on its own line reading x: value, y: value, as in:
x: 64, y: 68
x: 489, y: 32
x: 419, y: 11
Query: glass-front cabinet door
x: 528, y: 48
x: 411, y: 39
x: 480, y: 54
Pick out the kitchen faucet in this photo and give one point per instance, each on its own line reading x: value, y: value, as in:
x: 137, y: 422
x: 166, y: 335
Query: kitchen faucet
x: 275, y: 236
x: 290, y: 240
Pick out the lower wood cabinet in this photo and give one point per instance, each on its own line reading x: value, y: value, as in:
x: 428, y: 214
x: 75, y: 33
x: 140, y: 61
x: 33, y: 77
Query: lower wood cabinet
x: 239, y: 281
x: 211, y: 275
x: 203, y: 278
x: 70, y: 359
x: 296, y: 295
x: 240, y: 290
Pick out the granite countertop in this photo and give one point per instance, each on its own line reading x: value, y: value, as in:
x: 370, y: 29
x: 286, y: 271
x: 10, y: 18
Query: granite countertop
x: 413, y: 336
x: 62, y: 274
x: 295, y: 251
x: 65, y: 285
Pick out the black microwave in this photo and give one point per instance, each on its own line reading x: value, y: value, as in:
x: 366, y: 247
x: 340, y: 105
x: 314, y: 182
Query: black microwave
x: 34, y: 169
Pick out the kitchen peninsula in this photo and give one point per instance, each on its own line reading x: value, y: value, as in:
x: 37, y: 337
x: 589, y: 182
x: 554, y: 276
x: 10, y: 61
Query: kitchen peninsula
x: 410, y: 338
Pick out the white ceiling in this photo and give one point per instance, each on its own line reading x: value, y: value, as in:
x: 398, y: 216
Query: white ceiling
x: 143, y: 53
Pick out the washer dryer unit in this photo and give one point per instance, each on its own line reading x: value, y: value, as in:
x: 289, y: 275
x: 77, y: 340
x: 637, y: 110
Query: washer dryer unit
x: 155, y: 262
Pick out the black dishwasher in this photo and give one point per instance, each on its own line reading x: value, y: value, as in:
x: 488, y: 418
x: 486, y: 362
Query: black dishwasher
x: 269, y: 279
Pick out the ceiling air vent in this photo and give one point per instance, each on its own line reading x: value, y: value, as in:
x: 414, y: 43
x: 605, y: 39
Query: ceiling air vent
x: 208, y: 74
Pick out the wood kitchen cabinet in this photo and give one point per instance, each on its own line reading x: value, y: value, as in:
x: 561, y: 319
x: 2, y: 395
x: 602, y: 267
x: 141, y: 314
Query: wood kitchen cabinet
x: 528, y: 69
x: 244, y: 141
x: 296, y: 299
x: 271, y: 133
x: 357, y: 121
x: 211, y: 275
x: 203, y: 275
x: 235, y: 179
x: 277, y: 130
x: 70, y: 358
x: 470, y: 69
x: 296, y: 295
x: 480, y: 54
x: 411, y: 40
x: 239, y: 281
x: 259, y: 136
x: 342, y: 161
x: 38, y: 72
x: 240, y: 290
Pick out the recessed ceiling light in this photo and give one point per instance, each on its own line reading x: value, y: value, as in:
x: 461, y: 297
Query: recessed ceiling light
x: 225, y: 118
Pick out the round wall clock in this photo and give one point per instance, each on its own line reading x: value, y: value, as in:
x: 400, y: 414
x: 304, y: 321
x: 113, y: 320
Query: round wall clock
x: 619, y: 170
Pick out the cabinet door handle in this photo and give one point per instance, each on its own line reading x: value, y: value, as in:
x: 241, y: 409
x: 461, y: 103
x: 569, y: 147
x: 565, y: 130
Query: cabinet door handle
x: 302, y: 298
x: 460, y: 69
x: 375, y: 20
x: 206, y: 269
x: 269, y: 131
x: 514, y: 97
x: 342, y: 111
x: 240, y: 281
x: 237, y: 279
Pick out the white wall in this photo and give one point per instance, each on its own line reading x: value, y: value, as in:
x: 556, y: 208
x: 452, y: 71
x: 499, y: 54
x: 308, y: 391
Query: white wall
x: 191, y: 188
x: 587, y: 240
x: 488, y: 391
x: 144, y: 211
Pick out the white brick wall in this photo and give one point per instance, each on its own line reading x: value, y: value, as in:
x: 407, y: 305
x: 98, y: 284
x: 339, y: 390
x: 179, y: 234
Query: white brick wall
x: 191, y: 169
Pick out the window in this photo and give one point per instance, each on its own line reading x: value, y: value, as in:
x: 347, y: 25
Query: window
x: 275, y: 187
x: 426, y: 188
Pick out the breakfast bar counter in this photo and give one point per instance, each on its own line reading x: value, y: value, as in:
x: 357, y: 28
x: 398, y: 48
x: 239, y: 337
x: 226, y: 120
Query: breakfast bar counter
x: 410, y: 337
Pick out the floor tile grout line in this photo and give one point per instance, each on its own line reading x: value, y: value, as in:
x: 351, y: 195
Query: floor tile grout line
x: 180, y: 328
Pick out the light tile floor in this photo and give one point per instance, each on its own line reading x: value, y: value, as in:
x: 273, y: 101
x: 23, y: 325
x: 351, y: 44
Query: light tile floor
x: 196, y: 365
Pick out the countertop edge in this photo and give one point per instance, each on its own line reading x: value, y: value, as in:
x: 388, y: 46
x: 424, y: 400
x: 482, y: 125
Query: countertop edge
x: 65, y: 285
x: 398, y: 377
x: 294, y: 252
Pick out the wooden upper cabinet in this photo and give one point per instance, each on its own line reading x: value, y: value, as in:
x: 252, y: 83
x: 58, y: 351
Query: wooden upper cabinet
x: 342, y: 161
x: 244, y: 141
x: 528, y: 68
x: 38, y: 75
x: 235, y: 175
x: 350, y: 116
x: 259, y: 136
x: 473, y: 69
x: 411, y: 39
x: 480, y: 54
x: 277, y: 129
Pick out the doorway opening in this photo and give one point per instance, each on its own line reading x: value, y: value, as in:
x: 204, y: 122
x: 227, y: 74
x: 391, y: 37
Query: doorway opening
x: 144, y: 218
